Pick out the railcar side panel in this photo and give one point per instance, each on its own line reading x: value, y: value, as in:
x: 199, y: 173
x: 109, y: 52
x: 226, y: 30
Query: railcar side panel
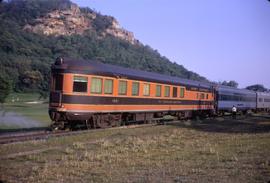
x: 242, y: 99
x: 263, y: 100
x: 89, y: 90
x: 73, y: 101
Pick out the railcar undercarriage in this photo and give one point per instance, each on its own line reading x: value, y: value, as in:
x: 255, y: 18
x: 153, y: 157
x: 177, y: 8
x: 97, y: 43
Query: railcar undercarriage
x: 67, y: 120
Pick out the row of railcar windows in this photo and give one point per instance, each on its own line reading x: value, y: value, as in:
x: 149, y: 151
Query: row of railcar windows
x: 202, y: 96
x: 237, y: 98
x: 264, y: 100
x: 80, y: 85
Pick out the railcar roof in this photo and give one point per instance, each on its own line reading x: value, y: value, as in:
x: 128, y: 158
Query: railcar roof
x: 267, y: 94
x: 235, y: 90
x: 92, y: 66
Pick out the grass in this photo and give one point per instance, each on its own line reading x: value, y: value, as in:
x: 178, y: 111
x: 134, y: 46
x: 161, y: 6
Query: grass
x: 22, y: 97
x: 220, y: 150
x: 18, y: 103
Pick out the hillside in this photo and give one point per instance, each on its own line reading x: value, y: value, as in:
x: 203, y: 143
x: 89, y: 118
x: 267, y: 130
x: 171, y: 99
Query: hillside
x: 33, y: 33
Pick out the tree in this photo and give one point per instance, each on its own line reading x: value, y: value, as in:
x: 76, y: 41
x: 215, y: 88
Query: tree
x: 257, y: 87
x: 231, y: 83
x: 31, y: 80
x: 5, y: 88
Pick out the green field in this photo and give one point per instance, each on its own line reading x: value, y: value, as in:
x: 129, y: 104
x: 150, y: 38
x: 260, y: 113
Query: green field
x: 26, y: 106
x: 212, y: 150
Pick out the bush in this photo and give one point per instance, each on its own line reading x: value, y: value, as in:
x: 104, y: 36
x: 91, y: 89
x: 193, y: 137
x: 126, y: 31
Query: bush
x: 5, y: 88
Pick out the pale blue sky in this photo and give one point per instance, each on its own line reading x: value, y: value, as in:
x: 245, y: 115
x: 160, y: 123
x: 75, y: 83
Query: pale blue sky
x: 219, y: 39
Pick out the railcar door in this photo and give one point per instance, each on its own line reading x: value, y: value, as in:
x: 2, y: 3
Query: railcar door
x: 56, y: 90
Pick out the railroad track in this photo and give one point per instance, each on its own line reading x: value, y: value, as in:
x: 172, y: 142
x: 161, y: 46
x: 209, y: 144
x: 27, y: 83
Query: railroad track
x: 14, y: 137
x: 20, y: 137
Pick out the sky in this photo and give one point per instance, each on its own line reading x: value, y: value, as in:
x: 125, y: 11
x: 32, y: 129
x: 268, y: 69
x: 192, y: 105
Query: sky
x: 220, y: 40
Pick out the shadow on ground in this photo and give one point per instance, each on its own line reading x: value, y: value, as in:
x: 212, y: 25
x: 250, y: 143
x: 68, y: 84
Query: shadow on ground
x: 228, y: 125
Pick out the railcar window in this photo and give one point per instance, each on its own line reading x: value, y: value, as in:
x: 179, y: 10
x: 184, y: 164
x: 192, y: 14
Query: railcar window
x: 202, y: 95
x: 219, y: 97
x: 122, y: 88
x: 135, y: 88
x: 167, y: 91
x: 174, y: 92
x: 146, y: 89
x: 206, y: 96
x: 108, y: 86
x: 197, y: 95
x: 240, y: 98
x: 58, y: 82
x: 80, y: 84
x: 266, y: 100
x: 182, y: 92
x: 96, y: 85
x: 158, y: 90
x: 260, y: 99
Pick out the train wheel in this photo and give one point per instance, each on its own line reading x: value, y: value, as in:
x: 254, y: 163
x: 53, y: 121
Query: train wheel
x: 60, y: 125
x: 115, y: 119
x: 102, y: 121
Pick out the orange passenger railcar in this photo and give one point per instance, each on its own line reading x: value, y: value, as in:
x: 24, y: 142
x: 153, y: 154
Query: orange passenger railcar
x: 101, y: 95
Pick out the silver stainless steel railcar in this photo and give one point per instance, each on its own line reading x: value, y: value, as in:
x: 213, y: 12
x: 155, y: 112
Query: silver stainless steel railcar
x: 263, y: 101
x: 227, y: 97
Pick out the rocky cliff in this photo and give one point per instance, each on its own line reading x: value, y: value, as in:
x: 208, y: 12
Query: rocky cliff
x: 72, y: 20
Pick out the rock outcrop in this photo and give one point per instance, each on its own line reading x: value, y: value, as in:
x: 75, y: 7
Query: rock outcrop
x: 121, y: 33
x: 73, y: 21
